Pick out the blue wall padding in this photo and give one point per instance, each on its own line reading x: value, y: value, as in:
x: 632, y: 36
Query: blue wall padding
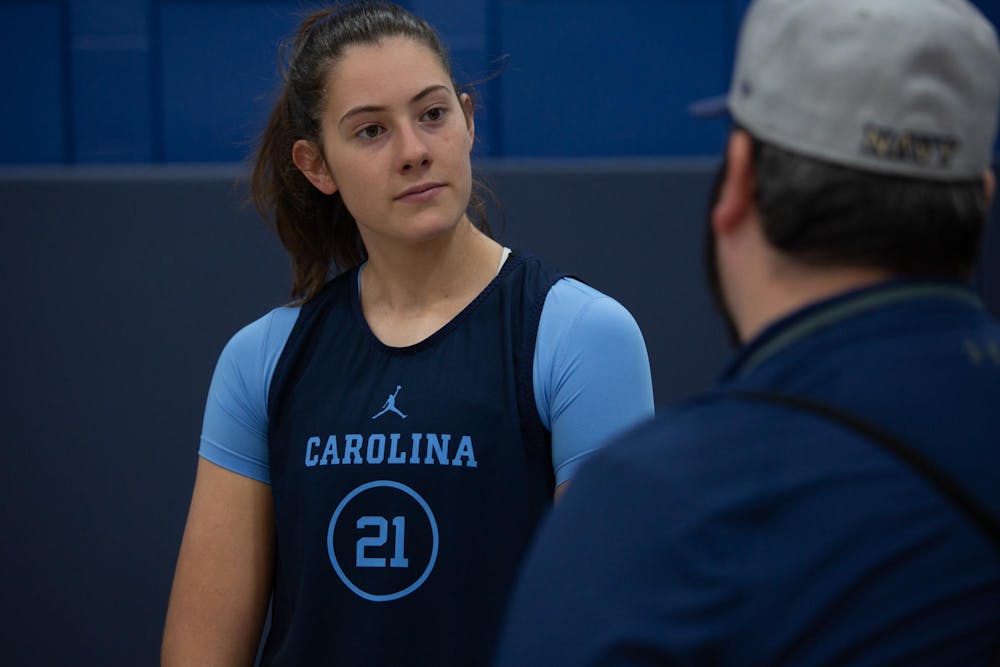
x: 601, y: 78
x: 219, y: 65
x: 33, y: 103
x: 112, y: 106
x: 115, y: 81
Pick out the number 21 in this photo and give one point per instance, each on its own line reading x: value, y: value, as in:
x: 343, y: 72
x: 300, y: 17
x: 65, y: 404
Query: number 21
x: 399, y: 524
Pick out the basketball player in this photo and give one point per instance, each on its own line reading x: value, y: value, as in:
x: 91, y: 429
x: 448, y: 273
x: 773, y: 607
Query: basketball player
x: 835, y: 500
x: 375, y: 458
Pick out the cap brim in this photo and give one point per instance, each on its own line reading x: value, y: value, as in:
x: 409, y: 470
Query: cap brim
x: 710, y: 107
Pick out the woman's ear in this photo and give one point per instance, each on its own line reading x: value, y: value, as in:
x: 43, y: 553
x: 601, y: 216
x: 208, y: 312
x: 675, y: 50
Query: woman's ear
x: 310, y: 161
x: 990, y: 183
x: 467, y: 109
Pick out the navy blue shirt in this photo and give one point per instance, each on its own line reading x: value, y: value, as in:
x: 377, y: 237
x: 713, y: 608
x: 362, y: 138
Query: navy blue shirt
x: 407, y: 482
x: 738, y: 533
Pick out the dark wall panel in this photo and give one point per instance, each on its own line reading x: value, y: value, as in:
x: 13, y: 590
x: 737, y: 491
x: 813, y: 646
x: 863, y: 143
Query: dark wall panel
x: 189, y: 81
x: 612, y: 78
x: 119, y: 294
x: 111, y: 63
x: 120, y: 288
x: 33, y: 104
x: 109, y: 17
x: 646, y: 253
x: 219, y: 68
x: 113, y: 105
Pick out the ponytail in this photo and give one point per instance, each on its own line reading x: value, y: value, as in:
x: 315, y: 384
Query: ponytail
x: 316, y: 229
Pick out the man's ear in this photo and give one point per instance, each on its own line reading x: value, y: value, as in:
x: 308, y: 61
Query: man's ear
x: 470, y: 122
x: 990, y: 183
x: 309, y: 159
x: 737, y: 192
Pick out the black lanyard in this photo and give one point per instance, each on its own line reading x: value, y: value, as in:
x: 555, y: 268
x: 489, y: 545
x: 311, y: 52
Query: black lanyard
x: 955, y: 492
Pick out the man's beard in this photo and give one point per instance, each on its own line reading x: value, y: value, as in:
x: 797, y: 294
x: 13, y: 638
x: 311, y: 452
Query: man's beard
x: 711, y: 260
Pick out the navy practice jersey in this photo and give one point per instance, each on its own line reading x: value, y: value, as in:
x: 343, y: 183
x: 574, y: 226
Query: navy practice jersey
x: 407, y: 482
x: 729, y: 532
x: 590, y: 373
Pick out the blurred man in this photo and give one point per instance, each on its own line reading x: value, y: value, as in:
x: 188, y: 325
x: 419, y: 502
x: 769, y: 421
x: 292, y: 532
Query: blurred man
x: 835, y: 499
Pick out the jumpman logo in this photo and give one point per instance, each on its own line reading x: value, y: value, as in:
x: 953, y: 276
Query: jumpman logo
x: 390, y: 405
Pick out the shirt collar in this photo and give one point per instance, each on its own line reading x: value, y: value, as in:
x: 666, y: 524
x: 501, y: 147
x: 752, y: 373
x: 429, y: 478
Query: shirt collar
x: 820, y: 315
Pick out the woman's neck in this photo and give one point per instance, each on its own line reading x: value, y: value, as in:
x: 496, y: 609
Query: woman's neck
x: 445, y: 271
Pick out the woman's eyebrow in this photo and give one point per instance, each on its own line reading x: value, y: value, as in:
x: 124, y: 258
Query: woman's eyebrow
x: 373, y: 108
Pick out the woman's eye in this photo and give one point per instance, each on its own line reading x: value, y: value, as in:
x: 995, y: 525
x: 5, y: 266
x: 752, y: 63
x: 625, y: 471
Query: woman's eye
x: 370, y: 132
x: 435, y: 114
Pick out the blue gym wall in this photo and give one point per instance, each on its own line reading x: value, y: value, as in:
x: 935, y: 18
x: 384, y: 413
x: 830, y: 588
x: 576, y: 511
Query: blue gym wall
x: 98, y: 81
x: 129, y: 254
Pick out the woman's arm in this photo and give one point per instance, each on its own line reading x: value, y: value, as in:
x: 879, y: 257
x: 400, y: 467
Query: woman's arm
x: 223, y: 580
x: 591, y: 374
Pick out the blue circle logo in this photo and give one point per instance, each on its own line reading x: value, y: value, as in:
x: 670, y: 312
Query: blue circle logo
x: 382, y: 540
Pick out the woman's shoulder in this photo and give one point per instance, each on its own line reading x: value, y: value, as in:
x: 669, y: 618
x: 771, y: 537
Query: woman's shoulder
x: 234, y: 429
x: 581, y: 326
x: 568, y: 297
x: 259, y: 344
x: 572, y: 304
x: 574, y: 289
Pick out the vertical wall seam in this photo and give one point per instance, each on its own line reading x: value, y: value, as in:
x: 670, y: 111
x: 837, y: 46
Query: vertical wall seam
x: 155, y: 63
x: 66, y: 83
x: 494, y: 44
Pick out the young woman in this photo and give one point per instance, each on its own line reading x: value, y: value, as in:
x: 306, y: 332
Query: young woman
x: 374, y: 459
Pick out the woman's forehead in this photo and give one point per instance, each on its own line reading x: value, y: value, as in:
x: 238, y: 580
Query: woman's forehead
x: 385, y: 72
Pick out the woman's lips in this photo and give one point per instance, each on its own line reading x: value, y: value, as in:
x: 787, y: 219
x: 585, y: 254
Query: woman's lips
x: 421, y: 193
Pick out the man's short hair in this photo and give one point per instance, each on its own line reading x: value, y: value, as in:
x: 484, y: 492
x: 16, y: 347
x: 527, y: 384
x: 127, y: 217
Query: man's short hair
x: 825, y: 215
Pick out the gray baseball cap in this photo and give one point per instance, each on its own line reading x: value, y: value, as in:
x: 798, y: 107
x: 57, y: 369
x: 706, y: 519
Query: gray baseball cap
x: 907, y: 87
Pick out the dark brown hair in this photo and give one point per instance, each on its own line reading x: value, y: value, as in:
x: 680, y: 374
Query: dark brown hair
x: 316, y: 229
x: 825, y: 214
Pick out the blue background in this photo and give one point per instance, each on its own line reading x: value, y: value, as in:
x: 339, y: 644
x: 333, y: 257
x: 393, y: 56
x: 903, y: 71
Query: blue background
x: 151, y: 81
x: 128, y: 259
